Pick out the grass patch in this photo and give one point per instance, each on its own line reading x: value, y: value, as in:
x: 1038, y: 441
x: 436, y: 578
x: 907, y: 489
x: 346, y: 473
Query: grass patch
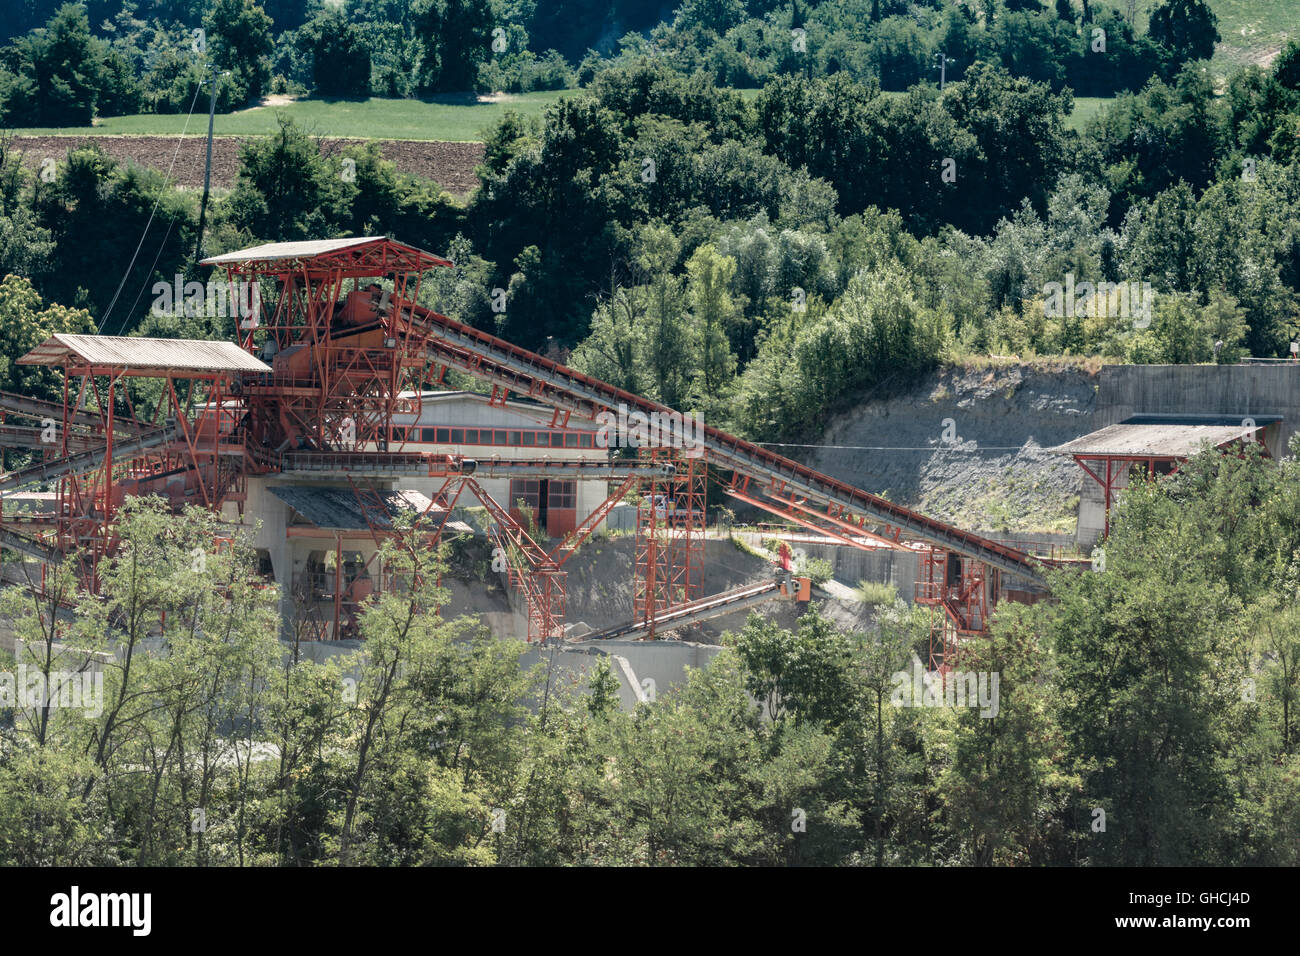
x: 1252, y: 29
x: 743, y: 545
x: 446, y: 119
x: 1085, y: 108
x: 456, y: 118
x: 969, y: 361
x: 876, y: 593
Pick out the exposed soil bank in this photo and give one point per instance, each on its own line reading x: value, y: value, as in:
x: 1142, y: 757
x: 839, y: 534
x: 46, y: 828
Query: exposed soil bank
x: 450, y: 165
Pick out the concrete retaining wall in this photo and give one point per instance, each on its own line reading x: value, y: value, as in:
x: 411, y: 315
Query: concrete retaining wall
x: 644, y: 669
x: 1245, y: 390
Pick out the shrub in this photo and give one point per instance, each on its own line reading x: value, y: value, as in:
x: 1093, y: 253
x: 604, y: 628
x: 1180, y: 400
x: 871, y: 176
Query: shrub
x: 876, y: 593
x: 819, y: 570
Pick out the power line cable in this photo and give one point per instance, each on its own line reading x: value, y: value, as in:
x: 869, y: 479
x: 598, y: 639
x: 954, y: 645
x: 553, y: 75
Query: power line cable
x: 953, y: 447
x: 157, y: 200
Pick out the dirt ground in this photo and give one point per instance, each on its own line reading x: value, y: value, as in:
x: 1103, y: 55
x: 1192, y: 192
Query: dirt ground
x: 450, y: 165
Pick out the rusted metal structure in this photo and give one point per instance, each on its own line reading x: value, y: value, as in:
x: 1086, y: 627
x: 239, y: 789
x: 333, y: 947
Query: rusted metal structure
x: 97, y: 448
x: 309, y: 393
x: 670, y: 536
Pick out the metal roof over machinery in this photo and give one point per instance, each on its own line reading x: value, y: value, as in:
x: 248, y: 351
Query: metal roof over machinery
x: 1157, y: 444
x: 1143, y: 437
x: 123, y: 353
x: 338, y: 509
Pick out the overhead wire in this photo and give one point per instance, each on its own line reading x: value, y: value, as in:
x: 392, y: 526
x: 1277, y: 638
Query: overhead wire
x: 152, y: 213
x: 955, y: 446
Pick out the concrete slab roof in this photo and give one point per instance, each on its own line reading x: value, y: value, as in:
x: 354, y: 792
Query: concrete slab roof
x: 133, y: 352
x: 1131, y: 439
x: 1150, y: 418
x: 525, y: 406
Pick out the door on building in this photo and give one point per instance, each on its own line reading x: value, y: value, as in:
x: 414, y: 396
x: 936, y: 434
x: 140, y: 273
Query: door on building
x: 561, y: 507
x: 525, y: 502
x: 550, y: 504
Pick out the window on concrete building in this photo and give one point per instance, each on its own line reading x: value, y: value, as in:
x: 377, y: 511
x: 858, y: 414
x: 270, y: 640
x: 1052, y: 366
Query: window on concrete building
x: 264, y: 566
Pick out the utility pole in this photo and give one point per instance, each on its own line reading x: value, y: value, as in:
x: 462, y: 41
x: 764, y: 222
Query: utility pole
x: 943, y: 68
x: 207, y: 169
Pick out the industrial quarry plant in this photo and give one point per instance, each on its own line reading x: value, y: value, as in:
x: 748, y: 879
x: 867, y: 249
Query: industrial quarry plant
x: 324, y: 438
x: 607, y: 434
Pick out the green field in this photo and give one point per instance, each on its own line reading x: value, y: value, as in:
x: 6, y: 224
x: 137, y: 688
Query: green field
x: 455, y: 119
x: 1252, y: 30
x: 1085, y: 108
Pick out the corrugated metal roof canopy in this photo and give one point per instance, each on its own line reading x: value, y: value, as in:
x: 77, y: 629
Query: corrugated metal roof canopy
x: 289, y: 250
x: 337, y: 509
x: 128, y: 352
x: 297, y: 251
x: 1129, y: 440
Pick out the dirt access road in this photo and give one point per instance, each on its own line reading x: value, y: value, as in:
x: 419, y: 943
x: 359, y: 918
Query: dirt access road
x: 450, y: 165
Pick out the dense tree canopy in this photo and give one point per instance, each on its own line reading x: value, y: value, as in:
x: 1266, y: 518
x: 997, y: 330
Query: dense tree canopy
x: 808, y: 746
x: 112, y: 57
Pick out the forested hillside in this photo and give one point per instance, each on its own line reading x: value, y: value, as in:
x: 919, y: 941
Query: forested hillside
x: 1184, y: 742
x: 111, y: 57
x: 806, y: 242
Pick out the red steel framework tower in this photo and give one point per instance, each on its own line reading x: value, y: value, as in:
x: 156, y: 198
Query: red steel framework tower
x: 98, y: 448
x: 670, y: 535
x: 341, y: 338
x: 341, y: 347
x: 960, y: 594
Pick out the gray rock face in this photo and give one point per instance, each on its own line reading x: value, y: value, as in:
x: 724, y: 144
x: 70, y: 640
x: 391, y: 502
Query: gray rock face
x: 967, y: 446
